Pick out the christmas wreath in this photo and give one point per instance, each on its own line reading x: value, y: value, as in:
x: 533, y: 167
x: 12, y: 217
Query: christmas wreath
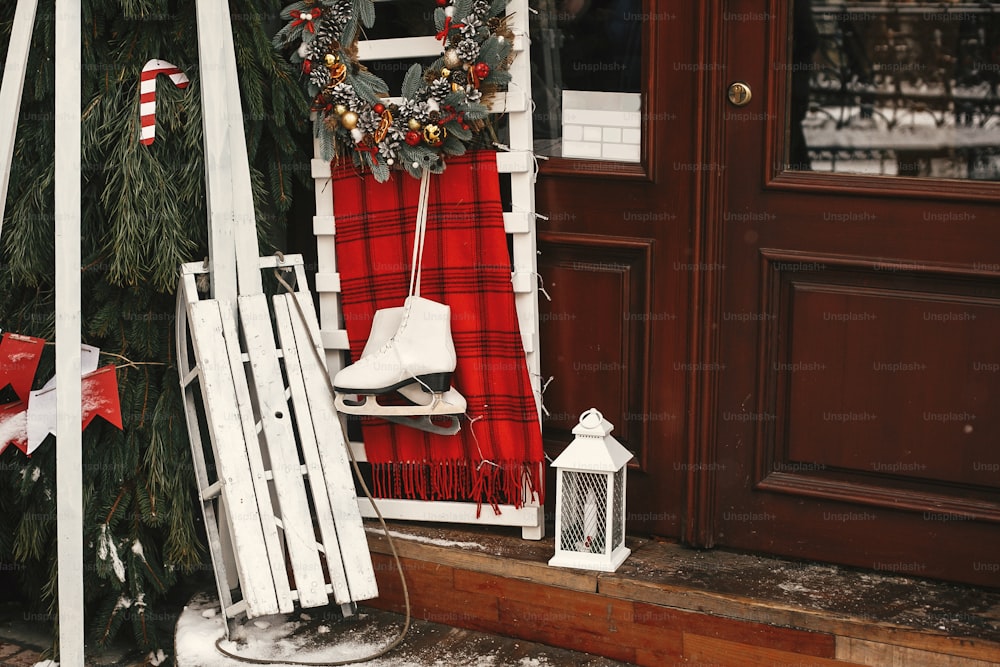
x: 440, y: 108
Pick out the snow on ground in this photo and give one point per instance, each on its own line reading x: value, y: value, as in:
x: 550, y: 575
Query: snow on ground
x: 282, y: 637
x: 427, y: 540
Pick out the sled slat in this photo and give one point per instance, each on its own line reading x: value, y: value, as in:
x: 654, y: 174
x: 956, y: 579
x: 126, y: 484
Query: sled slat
x: 279, y: 440
x: 310, y: 449
x: 333, y: 451
x: 252, y: 455
x: 223, y: 414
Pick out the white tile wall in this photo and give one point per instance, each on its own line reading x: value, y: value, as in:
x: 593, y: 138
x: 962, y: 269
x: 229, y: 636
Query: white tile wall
x: 602, y: 125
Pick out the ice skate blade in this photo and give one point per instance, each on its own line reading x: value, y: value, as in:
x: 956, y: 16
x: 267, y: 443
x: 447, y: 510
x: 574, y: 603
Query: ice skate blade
x: 424, y: 423
x: 370, y: 407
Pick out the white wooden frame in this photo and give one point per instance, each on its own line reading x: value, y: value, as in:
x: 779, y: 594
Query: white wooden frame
x: 517, y: 164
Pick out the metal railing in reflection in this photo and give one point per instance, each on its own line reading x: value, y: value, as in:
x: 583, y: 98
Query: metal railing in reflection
x: 902, y: 88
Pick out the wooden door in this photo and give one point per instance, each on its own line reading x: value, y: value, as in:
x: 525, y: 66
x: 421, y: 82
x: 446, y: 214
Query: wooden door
x: 854, y: 337
x: 614, y: 259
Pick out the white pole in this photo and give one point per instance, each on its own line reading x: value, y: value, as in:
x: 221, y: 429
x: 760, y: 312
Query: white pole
x: 69, y: 470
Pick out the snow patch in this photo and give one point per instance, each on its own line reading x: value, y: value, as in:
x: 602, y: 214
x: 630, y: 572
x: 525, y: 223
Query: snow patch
x: 795, y: 588
x: 428, y: 540
x: 156, y: 659
x: 287, y: 637
x: 15, y: 427
x: 106, y: 549
x: 137, y: 549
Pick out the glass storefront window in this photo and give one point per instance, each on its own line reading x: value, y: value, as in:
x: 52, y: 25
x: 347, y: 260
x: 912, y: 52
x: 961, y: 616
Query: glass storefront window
x: 587, y: 77
x: 900, y: 88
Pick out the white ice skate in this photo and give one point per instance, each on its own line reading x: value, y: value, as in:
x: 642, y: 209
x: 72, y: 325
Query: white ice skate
x: 410, y: 352
x: 426, y: 387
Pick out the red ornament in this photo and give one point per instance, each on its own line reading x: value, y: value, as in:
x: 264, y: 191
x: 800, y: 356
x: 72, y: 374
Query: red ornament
x: 379, y: 108
x: 481, y: 70
x: 307, y: 66
x: 413, y: 138
x: 442, y: 3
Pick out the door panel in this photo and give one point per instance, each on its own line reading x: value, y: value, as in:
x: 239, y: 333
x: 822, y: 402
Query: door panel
x: 614, y: 255
x: 601, y: 354
x: 853, y: 407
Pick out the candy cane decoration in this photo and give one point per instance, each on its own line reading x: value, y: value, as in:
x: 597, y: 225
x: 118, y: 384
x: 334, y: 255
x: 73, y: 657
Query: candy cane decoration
x: 147, y: 95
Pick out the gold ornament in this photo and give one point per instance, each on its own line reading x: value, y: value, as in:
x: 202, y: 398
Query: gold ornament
x: 340, y: 109
x: 445, y: 72
x: 413, y: 124
x: 349, y: 120
x: 434, y: 134
x: 331, y: 59
x: 451, y: 58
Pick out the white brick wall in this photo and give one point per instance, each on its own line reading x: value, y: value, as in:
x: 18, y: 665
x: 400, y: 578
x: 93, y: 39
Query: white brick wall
x: 601, y: 125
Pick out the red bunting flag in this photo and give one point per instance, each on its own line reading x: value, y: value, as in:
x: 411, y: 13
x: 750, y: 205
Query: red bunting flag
x: 100, y: 396
x: 19, y: 357
x: 27, y: 422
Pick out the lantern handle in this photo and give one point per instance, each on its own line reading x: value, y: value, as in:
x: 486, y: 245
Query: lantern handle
x: 592, y: 418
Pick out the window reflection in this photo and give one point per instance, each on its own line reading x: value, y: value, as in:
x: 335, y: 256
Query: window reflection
x: 582, y: 45
x: 905, y: 88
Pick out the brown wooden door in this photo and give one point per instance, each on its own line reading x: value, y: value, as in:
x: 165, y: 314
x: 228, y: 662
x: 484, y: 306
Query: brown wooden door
x: 614, y: 255
x: 853, y: 364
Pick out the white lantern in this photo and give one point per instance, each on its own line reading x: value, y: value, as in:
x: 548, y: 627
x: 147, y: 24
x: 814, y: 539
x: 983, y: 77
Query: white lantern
x: 590, y: 498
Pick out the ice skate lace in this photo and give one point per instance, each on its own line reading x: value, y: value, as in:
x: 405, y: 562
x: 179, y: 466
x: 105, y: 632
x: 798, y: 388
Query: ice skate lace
x: 416, y: 262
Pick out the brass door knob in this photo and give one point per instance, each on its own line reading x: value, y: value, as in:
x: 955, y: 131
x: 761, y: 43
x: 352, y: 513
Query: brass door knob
x: 739, y: 94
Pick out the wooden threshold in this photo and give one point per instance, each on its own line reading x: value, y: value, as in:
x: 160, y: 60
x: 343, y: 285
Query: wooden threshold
x: 669, y: 604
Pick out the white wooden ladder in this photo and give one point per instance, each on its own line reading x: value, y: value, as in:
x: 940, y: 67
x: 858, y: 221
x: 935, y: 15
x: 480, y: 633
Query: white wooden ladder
x: 518, y: 166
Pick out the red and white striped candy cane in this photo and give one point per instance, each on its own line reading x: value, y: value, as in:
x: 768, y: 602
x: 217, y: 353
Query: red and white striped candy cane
x: 147, y: 95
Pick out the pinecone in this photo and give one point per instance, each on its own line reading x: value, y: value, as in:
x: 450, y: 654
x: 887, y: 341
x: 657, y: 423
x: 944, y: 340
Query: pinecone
x: 468, y: 50
x: 480, y: 8
x: 413, y: 109
x: 327, y: 33
x: 473, y: 95
x: 342, y: 93
x: 439, y: 89
x: 470, y: 26
x: 459, y: 77
x: 319, y: 77
x: 369, y: 121
x: 339, y: 14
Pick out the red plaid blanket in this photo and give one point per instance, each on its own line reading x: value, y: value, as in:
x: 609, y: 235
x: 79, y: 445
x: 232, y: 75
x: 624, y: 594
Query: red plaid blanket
x: 466, y: 265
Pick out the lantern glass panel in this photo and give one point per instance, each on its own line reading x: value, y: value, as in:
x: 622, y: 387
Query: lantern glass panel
x: 618, y: 507
x: 584, y: 511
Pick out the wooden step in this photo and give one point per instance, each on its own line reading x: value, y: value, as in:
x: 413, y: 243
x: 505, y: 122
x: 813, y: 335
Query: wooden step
x: 669, y: 603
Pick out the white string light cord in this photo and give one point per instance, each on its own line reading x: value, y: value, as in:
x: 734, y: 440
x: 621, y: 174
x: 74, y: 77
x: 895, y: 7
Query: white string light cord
x: 385, y: 529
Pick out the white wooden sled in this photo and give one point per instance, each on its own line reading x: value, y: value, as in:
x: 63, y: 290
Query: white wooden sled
x: 517, y: 165
x: 270, y: 457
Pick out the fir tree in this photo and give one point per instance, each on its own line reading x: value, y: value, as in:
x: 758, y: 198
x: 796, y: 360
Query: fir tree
x: 143, y: 215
